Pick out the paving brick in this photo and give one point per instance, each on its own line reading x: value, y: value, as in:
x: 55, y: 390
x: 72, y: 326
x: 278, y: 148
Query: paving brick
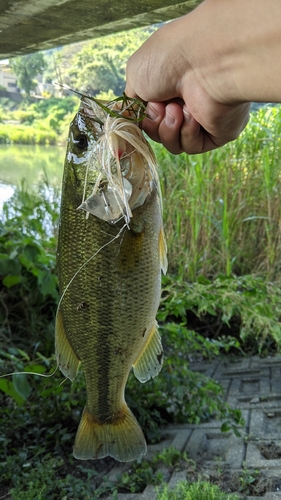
x: 233, y: 372
x: 205, y: 368
x: 211, y: 446
x: 256, y: 361
x: 225, y: 383
x: 176, y: 478
x: 252, y: 385
x: 148, y: 494
x: 266, y: 423
x: 255, y: 402
x: 168, y: 438
x: 255, y: 459
x: 275, y: 494
x: 116, y: 471
x: 236, y: 366
x: 128, y: 496
x: 269, y: 496
x: 181, y: 439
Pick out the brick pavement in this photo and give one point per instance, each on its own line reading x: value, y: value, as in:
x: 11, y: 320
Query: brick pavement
x: 254, y: 386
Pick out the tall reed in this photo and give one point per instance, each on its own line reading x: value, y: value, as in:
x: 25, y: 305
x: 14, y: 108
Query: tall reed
x: 222, y: 210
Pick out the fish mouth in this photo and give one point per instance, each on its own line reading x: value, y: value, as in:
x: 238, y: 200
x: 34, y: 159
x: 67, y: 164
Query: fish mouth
x: 124, y: 165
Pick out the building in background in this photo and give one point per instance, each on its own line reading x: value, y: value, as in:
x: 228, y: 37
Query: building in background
x: 8, y: 81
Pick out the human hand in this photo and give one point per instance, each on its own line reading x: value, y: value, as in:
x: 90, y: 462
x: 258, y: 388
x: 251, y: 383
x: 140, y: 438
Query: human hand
x: 181, y: 129
x: 187, y: 108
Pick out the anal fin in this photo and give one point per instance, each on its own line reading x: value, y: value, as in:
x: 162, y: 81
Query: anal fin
x: 66, y: 357
x: 150, y: 360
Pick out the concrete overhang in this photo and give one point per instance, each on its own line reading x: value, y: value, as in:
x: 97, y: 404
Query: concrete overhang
x: 30, y: 25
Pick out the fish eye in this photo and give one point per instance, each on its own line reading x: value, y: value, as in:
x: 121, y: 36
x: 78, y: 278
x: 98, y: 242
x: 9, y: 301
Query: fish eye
x: 81, y: 141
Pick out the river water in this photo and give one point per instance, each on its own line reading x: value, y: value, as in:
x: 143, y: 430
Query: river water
x: 33, y: 163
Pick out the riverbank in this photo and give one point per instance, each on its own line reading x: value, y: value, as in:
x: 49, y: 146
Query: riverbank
x: 44, y: 122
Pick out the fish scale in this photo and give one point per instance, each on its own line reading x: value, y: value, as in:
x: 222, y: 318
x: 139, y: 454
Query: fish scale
x: 110, y: 280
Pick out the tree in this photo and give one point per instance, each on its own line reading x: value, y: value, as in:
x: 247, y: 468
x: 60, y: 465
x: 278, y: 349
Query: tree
x: 26, y: 68
x: 99, y: 65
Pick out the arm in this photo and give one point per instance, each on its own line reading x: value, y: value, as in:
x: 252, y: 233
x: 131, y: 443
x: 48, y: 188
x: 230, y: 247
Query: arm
x: 209, y: 65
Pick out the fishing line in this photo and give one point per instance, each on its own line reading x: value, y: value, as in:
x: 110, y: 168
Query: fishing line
x: 64, y: 380
x: 32, y: 373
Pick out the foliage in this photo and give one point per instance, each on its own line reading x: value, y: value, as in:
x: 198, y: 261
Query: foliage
x: 18, y: 134
x: 222, y: 209
x: 96, y: 66
x: 249, y: 303
x: 139, y: 475
x: 99, y: 65
x: 42, y: 122
x: 248, y: 480
x: 26, y: 68
x: 194, y: 491
x: 28, y: 290
x: 6, y: 108
x: 106, y: 95
x: 172, y: 458
x: 39, y: 417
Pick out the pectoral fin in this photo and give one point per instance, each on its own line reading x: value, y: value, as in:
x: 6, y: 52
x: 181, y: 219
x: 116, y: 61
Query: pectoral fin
x: 163, y: 251
x: 66, y: 357
x: 149, y: 362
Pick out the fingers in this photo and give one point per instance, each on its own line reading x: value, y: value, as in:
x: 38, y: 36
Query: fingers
x: 170, y: 128
x: 155, y: 112
x: 171, y: 124
x: 163, y: 124
x: 175, y: 128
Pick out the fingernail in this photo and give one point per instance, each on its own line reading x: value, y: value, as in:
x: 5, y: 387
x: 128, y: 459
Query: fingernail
x: 169, y: 119
x: 186, y: 116
x: 151, y: 113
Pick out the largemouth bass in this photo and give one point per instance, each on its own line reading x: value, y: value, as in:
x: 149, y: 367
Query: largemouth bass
x: 111, y: 250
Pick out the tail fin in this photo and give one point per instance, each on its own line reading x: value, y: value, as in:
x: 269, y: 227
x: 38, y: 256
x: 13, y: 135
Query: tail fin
x: 121, y: 438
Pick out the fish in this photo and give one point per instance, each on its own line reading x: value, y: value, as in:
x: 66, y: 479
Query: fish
x: 110, y: 255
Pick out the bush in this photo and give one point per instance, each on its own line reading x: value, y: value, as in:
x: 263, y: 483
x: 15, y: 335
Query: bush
x: 28, y: 290
x: 20, y: 134
x: 41, y: 122
x: 247, y: 306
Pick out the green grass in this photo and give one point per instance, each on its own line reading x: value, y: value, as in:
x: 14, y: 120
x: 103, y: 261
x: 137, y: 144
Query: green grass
x: 222, y: 209
x: 194, y: 491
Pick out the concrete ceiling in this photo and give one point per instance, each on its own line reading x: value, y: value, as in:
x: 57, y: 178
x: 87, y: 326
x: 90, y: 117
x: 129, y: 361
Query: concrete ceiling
x: 30, y: 25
